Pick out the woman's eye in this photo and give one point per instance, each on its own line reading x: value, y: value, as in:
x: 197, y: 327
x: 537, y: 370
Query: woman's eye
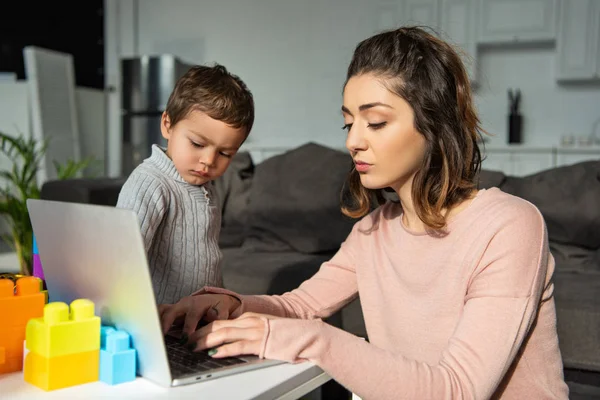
x: 377, y: 125
x: 197, y: 144
x: 347, y: 127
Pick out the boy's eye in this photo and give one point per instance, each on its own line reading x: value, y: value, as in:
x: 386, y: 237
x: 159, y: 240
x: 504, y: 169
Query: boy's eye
x: 377, y: 125
x: 226, y: 155
x: 196, y: 144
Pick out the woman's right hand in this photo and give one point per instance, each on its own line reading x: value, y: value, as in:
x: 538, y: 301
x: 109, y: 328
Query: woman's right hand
x: 192, y: 309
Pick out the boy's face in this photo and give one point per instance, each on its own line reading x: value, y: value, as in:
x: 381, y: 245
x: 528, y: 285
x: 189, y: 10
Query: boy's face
x: 201, y: 147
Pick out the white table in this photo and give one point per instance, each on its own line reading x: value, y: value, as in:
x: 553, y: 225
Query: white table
x: 283, y: 382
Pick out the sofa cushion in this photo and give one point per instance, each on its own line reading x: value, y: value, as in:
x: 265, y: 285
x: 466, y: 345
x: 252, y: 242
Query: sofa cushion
x: 568, y: 198
x: 100, y: 191
x: 249, y: 272
x: 295, y: 198
x: 575, y: 258
x: 578, y: 318
x: 488, y: 179
x: 233, y: 193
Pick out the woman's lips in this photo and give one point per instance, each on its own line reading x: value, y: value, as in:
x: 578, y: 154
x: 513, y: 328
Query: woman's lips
x: 362, y: 166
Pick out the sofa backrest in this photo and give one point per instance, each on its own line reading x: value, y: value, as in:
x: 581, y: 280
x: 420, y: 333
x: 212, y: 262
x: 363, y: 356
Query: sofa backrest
x: 294, y: 201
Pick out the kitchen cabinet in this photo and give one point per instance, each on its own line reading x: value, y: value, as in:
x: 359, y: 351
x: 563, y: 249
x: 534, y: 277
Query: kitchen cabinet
x: 517, y: 21
x: 422, y: 12
x: 578, y: 41
x: 458, y: 22
x: 570, y: 156
x: 520, y: 160
x: 454, y: 20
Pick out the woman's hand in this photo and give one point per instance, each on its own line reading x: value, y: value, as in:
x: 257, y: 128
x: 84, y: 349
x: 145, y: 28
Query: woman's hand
x: 192, y: 309
x: 226, y: 338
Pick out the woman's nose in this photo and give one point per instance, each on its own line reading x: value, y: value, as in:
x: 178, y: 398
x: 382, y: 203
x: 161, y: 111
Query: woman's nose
x: 355, y: 140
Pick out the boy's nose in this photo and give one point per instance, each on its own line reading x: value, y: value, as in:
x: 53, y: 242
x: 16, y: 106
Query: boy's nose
x: 208, y: 158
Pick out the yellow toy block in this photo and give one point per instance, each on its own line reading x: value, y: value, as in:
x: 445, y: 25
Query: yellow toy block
x: 61, y: 371
x: 60, y: 333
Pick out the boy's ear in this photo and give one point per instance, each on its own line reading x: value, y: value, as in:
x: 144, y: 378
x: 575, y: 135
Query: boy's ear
x: 165, y: 126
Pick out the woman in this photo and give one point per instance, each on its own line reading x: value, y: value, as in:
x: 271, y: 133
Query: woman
x: 455, y: 282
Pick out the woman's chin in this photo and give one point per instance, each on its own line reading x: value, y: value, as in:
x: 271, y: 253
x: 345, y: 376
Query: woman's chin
x: 372, y: 183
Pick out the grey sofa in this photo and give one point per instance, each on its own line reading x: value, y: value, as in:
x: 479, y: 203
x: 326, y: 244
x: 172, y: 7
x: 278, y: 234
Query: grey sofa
x: 281, y: 220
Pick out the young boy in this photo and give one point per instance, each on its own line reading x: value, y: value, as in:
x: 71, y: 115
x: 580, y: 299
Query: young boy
x: 208, y: 116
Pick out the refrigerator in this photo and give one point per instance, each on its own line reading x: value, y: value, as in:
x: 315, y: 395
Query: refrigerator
x: 147, y: 82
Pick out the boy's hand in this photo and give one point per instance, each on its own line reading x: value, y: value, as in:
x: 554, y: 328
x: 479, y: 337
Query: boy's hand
x: 192, y: 309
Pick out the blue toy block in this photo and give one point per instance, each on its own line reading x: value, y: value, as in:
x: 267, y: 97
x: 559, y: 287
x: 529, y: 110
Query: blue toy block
x: 117, y: 358
x: 35, y: 247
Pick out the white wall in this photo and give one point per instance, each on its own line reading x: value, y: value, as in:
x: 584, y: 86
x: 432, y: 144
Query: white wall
x: 91, y: 115
x: 15, y: 120
x: 293, y: 55
x: 550, y: 111
x: 14, y: 111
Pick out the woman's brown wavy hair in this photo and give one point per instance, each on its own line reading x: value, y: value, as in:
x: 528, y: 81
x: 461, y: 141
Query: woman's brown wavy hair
x: 428, y: 74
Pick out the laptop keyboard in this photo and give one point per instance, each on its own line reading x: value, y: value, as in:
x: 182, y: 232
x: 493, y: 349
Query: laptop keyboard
x: 183, y: 361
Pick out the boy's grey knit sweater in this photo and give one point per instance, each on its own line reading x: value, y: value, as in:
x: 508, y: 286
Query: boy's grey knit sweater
x: 180, y: 225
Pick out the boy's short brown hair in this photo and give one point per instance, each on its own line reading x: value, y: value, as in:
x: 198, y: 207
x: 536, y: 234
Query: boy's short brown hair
x: 214, y: 91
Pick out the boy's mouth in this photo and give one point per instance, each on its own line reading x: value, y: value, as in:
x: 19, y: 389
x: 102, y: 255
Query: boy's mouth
x: 201, y: 173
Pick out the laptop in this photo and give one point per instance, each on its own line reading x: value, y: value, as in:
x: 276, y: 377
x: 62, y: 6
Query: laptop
x: 96, y: 252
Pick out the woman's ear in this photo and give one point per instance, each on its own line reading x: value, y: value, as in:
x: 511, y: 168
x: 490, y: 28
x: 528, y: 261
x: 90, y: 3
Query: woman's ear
x: 165, y: 126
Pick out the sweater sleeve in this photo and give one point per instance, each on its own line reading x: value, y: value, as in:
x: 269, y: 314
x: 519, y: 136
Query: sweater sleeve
x: 148, y: 198
x: 500, y: 307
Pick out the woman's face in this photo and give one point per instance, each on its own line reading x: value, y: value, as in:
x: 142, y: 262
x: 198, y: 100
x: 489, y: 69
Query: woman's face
x: 382, y: 139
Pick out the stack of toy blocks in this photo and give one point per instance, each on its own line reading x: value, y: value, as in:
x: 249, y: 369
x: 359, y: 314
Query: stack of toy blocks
x: 64, y: 347
x: 18, y: 304
x: 37, y: 263
x: 117, y: 357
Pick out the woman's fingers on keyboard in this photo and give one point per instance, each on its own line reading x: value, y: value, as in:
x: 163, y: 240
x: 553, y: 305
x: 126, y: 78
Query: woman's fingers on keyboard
x: 228, y: 331
x: 241, y: 347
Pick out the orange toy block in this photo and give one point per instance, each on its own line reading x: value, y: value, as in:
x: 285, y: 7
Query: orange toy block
x: 21, y: 302
x: 51, y: 373
x: 18, y: 304
x: 2, y: 356
x: 11, y: 338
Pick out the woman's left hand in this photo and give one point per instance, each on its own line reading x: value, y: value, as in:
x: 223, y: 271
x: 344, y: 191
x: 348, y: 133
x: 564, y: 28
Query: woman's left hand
x: 226, y: 338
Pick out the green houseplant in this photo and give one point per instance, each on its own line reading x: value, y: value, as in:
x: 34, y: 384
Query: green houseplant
x: 20, y: 183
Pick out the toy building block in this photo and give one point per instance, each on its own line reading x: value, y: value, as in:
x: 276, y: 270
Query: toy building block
x: 21, y: 302
x: 2, y: 356
x: 35, y: 246
x: 37, y: 267
x: 50, y: 373
x: 60, y: 332
x: 18, y: 304
x: 64, y: 347
x: 37, y: 262
x: 117, y: 358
